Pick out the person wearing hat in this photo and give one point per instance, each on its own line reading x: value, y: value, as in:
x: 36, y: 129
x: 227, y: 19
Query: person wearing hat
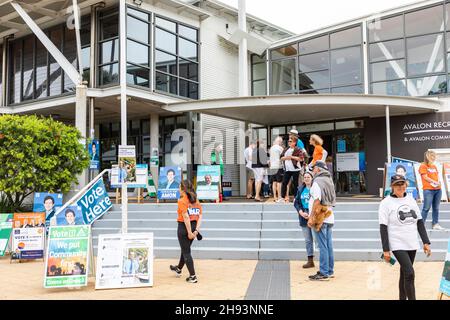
x: 300, y: 143
x: 400, y: 220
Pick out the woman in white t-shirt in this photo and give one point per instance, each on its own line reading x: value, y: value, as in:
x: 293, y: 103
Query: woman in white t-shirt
x: 400, y: 220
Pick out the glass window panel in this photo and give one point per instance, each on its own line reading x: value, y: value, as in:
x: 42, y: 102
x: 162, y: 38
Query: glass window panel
x: 138, y: 13
x: 166, y: 83
x: 187, y: 49
x: 312, y: 62
x: 259, y: 71
x: 346, y: 66
x: 138, y: 53
x: 425, y: 54
x: 109, y: 27
x: 187, y: 32
x: 427, y: 86
x: 283, y: 76
x: 165, y: 62
x: 86, y: 57
x: 353, y: 124
x: 55, y: 79
x: 349, y: 89
x: 15, y: 73
x: 138, y: 76
x: 166, y: 41
x: 346, y: 38
x: 28, y: 69
x: 389, y: 70
x: 188, y: 89
x: 448, y: 39
x: 85, y: 31
x: 137, y: 30
x: 258, y: 59
x: 109, y: 51
x: 387, y: 50
x: 109, y: 74
x: 313, y: 45
x: 385, y: 29
x: 314, y: 80
x: 447, y: 15
x: 70, y: 52
x: 259, y: 88
x: 189, y: 70
x: 41, y: 70
x: 391, y: 88
x: 284, y: 52
x: 166, y: 24
x: 424, y: 21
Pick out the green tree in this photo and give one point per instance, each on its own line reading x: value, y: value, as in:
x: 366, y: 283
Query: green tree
x: 38, y: 154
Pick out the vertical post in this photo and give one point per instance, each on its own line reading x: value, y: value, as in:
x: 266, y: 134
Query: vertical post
x: 93, y: 71
x: 365, y: 58
x: 3, y: 101
x: 388, y: 135
x: 154, y: 143
x: 124, y: 208
x: 243, y: 59
x: 76, y: 15
x: 188, y: 146
x: 123, y: 72
x: 80, y: 121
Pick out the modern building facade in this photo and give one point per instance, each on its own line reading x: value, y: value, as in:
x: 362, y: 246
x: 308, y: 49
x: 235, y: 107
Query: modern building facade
x: 376, y: 85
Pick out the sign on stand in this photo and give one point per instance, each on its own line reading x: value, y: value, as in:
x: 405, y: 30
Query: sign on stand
x: 6, y: 224
x: 28, y: 239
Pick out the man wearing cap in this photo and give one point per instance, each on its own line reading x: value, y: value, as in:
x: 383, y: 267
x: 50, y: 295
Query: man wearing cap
x: 400, y: 220
x: 300, y: 143
x: 321, y: 221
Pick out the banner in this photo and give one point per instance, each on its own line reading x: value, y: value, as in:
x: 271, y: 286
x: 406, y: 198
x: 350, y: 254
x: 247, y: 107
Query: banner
x: 70, y: 216
x: 49, y: 203
x: 94, y: 155
x: 169, y: 183
x: 28, y: 236
x: 67, y: 257
x: 151, y: 189
x: 405, y: 169
x: 208, y: 178
x: 124, y: 261
x: 94, y: 203
x: 6, y: 224
x: 445, y: 281
x: 127, y: 164
x: 141, y: 173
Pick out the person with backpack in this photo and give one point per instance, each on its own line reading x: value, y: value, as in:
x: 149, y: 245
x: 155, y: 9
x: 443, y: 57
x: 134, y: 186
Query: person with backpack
x: 189, y: 221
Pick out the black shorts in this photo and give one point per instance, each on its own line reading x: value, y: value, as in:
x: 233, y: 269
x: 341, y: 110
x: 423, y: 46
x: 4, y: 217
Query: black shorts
x: 277, y: 176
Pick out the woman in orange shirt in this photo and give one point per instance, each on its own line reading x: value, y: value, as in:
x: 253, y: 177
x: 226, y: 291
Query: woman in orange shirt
x: 189, y: 221
x: 317, y: 142
x: 432, y: 192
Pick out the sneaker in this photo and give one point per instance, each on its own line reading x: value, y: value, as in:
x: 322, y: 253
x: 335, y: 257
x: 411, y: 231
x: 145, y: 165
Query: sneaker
x: 331, y: 276
x: 192, y: 279
x: 319, y: 277
x: 438, y: 227
x: 176, y: 270
x: 318, y: 272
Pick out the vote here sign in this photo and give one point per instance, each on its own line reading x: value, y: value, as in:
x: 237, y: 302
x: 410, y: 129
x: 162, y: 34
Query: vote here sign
x: 94, y: 203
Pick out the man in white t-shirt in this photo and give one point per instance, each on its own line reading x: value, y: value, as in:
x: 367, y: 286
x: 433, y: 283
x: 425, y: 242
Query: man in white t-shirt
x: 248, y: 164
x: 276, y: 168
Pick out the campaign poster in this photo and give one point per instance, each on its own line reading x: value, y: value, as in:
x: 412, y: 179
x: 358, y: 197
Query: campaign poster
x: 49, y: 203
x: 169, y: 183
x: 404, y: 169
x: 208, y: 179
x: 94, y: 154
x: 115, y: 177
x: 94, y: 203
x: 28, y: 236
x: 127, y: 164
x: 124, y: 261
x: 447, y: 178
x: 141, y: 177
x: 67, y: 257
x: 445, y: 280
x: 70, y: 216
x: 6, y: 225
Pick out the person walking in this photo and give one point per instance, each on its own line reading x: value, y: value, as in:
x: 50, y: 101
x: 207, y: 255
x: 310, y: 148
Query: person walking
x: 248, y: 165
x: 400, y: 220
x: 319, y: 153
x: 260, y: 162
x: 321, y: 219
x: 189, y: 221
x: 291, y: 157
x: 276, y: 169
x: 432, y: 192
x: 301, y: 204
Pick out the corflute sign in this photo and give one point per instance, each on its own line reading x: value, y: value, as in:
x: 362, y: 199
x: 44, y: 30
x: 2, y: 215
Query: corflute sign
x: 94, y: 203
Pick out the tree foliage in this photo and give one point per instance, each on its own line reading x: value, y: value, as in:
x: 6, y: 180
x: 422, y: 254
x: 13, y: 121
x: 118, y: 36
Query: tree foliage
x: 38, y: 154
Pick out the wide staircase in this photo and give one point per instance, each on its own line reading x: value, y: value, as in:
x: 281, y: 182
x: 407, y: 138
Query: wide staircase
x: 263, y: 231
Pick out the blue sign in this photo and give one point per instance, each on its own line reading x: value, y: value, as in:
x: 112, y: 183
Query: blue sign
x: 341, y: 146
x: 405, y: 169
x: 70, y: 216
x: 445, y: 280
x: 362, y: 161
x: 94, y: 155
x: 94, y: 203
x: 169, y: 183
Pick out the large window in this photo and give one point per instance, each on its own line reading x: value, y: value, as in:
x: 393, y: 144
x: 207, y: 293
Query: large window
x: 176, y: 58
x: 328, y: 63
x: 407, y: 53
x: 108, y: 60
x: 258, y: 75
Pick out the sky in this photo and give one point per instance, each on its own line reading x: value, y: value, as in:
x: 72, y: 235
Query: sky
x: 300, y: 16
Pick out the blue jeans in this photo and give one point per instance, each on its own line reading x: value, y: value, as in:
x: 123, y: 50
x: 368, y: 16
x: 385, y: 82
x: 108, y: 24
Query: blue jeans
x: 431, y: 198
x: 307, y: 233
x: 325, y: 240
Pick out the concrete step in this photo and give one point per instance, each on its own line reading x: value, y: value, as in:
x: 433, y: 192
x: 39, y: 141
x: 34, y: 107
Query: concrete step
x: 170, y: 223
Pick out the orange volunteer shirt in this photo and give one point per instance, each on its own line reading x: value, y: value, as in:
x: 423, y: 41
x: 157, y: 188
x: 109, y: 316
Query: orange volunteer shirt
x: 431, y: 172
x: 194, y: 210
x: 317, y: 154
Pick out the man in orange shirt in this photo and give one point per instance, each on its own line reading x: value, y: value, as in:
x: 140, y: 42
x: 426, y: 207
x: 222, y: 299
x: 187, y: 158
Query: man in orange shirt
x: 432, y: 192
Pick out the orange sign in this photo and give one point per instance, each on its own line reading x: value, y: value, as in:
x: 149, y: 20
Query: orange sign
x: 29, y: 220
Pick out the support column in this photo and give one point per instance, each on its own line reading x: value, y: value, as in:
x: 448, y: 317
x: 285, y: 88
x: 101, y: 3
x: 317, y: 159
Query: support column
x: 3, y: 101
x: 388, y: 135
x: 80, y: 123
x: 154, y: 143
x: 188, y: 146
x: 123, y: 72
x: 242, y: 143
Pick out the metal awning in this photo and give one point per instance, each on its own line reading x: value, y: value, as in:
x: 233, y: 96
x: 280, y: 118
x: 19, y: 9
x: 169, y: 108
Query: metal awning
x: 287, y: 109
